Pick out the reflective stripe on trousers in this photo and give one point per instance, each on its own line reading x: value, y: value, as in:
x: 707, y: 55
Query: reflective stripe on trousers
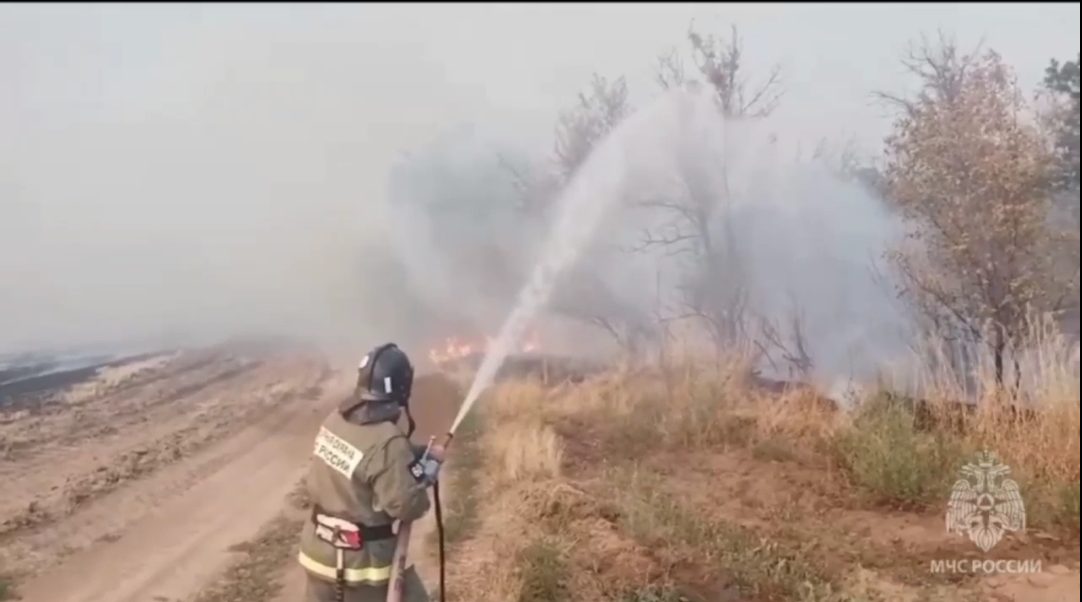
x: 369, y: 576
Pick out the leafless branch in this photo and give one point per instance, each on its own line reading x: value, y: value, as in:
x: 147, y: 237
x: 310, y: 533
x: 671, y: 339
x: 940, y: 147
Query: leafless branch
x: 796, y: 356
x: 766, y: 98
x: 720, y: 62
x: 670, y: 70
x: 671, y: 242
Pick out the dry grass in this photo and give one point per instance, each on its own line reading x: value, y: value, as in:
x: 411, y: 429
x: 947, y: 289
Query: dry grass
x: 503, y: 450
x: 536, y: 529
x: 543, y: 572
x: 654, y: 593
x: 7, y: 589
x: 696, y: 405
x: 757, y: 567
x: 800, y: 415
x: 480, y: 563
x: 527, y: 450
x: 691, y: 405
x: 607, y: 528
x: 512, y: 400
x: 558, y: 492
x: 524, y: 446
x: 904, y: 454
x: 890, y: 451
x: 1029, y: 421
x: 464, y: 481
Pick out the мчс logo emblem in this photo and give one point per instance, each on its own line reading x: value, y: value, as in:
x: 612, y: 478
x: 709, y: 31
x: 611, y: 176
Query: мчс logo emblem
x: 985, y: 503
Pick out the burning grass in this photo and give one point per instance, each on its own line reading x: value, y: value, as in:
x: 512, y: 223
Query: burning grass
x: 457, y: 348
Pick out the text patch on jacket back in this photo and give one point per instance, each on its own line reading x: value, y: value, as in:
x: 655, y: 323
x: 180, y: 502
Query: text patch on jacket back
x: 337, y: 453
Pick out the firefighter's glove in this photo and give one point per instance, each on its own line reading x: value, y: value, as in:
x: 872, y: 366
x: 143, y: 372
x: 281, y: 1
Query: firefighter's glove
x: 426, y: 470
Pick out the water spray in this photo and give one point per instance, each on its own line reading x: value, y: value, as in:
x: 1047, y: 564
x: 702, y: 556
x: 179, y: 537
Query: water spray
x: 597, y: 185
x: 594, y: 189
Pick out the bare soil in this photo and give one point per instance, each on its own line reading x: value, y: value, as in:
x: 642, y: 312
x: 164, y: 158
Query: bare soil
x: 132, y: 486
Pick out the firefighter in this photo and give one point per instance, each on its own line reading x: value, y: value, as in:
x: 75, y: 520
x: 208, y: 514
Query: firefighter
x: 366, y: 474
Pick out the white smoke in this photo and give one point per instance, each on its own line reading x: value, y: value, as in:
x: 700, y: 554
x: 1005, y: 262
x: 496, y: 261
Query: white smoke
x: 808, y: 241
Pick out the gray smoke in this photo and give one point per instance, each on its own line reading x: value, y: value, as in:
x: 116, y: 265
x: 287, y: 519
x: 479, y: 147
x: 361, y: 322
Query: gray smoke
x: 186, y: 173
x: 807, y: 242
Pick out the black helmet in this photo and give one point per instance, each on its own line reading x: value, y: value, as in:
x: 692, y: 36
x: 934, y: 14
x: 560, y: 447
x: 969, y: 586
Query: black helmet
x: 386, y: 374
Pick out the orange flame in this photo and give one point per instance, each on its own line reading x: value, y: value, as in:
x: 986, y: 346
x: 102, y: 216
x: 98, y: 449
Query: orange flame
x: 454, y: 348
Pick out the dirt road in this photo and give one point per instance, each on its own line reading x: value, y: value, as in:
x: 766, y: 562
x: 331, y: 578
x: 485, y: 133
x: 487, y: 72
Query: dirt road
x: 170, y: 553
x: 133, y: 485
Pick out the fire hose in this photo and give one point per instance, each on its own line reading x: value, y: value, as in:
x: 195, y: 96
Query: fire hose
x: 397, y: 586
x: 439, y: 532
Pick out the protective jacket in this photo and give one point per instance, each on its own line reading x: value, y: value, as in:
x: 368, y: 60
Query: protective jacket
x: 363, y: 471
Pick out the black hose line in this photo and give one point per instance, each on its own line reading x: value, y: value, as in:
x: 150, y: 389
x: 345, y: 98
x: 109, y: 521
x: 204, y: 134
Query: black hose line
x: 439, y: 531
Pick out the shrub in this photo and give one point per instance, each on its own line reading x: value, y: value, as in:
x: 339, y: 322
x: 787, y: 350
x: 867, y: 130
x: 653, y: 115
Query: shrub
x: 891, y: 460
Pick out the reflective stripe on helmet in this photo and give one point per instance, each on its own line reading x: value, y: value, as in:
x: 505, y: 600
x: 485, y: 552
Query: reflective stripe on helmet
x: 370, y: 575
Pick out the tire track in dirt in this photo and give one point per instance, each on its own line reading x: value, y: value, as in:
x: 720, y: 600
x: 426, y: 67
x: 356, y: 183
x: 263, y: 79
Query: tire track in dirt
x: 170, y: 553
x: 94, y: 489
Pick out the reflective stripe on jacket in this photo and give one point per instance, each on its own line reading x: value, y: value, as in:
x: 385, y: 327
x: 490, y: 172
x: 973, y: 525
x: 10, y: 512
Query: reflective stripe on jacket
x: 370, y: 575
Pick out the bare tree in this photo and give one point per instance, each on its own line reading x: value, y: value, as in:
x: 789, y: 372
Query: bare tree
x: 692, y: 226
x: 720, y: 61
x: 793, y: 348
x: 535, y: 188
x: 693, y: 230
x: 971, y: 177
x: 941, y: 69
x: 582, y: 295
x: 580, y: 128
x: 670, y: 70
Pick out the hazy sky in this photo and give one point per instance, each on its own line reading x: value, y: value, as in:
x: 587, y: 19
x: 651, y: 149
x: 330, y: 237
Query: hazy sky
x: 204, y: 167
